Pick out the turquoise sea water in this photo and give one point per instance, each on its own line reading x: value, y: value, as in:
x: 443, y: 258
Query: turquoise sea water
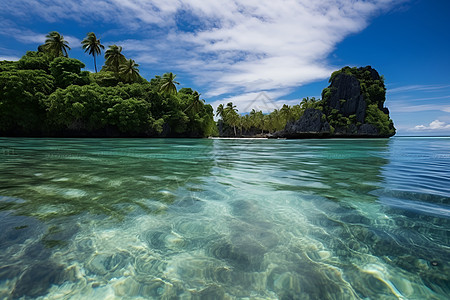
x: 224, y: 219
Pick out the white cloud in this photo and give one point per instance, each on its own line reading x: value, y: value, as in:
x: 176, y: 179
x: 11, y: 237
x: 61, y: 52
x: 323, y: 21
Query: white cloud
x: 30, y: 37
x: 234, y: 47
x: 275, y: 45
x: 10, y: 58
x: 435, y: 125
x: 73, y: 41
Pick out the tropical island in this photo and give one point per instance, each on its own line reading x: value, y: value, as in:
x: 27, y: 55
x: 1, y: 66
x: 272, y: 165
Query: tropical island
x: 46, y: 94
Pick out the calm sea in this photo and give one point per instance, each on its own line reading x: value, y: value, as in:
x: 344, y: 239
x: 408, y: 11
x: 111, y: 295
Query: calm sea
x: 225, y: 219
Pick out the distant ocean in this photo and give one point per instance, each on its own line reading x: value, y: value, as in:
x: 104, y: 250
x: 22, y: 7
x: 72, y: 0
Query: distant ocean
x: 225, y: 218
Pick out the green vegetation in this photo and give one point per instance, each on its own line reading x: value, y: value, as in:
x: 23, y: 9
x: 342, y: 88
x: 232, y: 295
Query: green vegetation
x: 341, y: 121
x: 129, y: 71
x: 47, y: 93
x: 373, y: 90
x: 381, y: 120
x: 256, y: 122
x: 374, y: 93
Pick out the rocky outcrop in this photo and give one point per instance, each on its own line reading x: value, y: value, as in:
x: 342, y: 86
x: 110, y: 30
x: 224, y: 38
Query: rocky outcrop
x: 312, y: 123
x: 346, y: 97
x: 351, y: 106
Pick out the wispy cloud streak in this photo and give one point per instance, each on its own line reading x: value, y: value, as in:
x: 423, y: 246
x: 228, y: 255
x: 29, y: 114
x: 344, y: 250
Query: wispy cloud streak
x: 418, y: 88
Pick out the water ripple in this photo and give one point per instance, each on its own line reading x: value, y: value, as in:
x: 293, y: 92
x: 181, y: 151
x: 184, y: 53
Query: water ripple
x: 225, y: 219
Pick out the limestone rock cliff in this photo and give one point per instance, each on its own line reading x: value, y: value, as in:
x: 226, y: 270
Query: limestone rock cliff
x: 351, y: 106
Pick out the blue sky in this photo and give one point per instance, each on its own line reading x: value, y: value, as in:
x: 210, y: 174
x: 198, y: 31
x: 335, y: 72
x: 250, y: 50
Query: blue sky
x: 281, y: 50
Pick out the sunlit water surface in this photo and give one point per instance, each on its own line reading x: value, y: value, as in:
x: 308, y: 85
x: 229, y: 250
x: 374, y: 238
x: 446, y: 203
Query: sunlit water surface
x: 224, y: 219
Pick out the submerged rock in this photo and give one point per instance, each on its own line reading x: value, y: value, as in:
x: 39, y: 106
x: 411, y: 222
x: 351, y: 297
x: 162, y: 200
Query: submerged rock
x: 37, y: 279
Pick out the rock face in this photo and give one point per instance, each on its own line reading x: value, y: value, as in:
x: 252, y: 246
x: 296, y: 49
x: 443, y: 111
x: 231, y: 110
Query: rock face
x: 311, y: 123
x: 346, y: 97
x: 351, y: 106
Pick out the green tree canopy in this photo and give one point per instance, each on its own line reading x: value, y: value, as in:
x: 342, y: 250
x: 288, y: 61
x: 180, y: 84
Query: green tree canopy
x: 67, y: 71
x: 21, y: 96
x: 46, y: 93
x: 33, y: 60
x: 8, y: 65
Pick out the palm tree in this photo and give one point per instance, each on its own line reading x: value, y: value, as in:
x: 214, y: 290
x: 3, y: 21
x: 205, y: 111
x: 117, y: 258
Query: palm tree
x: 56, y: 45
x: 308, y: 103
x: 246, y: 122
x: 114, y: 58
x: 129, y: 71
x: 253, y: 121
x: 286, y: 113
x: 231, y: 116
x: 220, y: 111
x: 168, y: 83
x: 260, y: 120
x: 92, y: 44
x: 196, y: 103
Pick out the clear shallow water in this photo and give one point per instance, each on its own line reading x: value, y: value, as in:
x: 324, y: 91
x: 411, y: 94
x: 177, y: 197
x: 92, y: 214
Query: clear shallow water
x: 225, y: 219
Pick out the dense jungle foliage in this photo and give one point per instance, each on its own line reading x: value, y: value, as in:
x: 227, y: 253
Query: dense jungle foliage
x: 47, y: 93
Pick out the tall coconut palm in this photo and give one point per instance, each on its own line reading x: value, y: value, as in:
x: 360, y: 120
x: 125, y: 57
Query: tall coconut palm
x: 114, y: 58
x: 56, y: 45
x: 230, y: 107
x: 168, y: 83
x: 220, y: 111
x: 93, y: 45
x: 231, y: 116
x: 129, y: 71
